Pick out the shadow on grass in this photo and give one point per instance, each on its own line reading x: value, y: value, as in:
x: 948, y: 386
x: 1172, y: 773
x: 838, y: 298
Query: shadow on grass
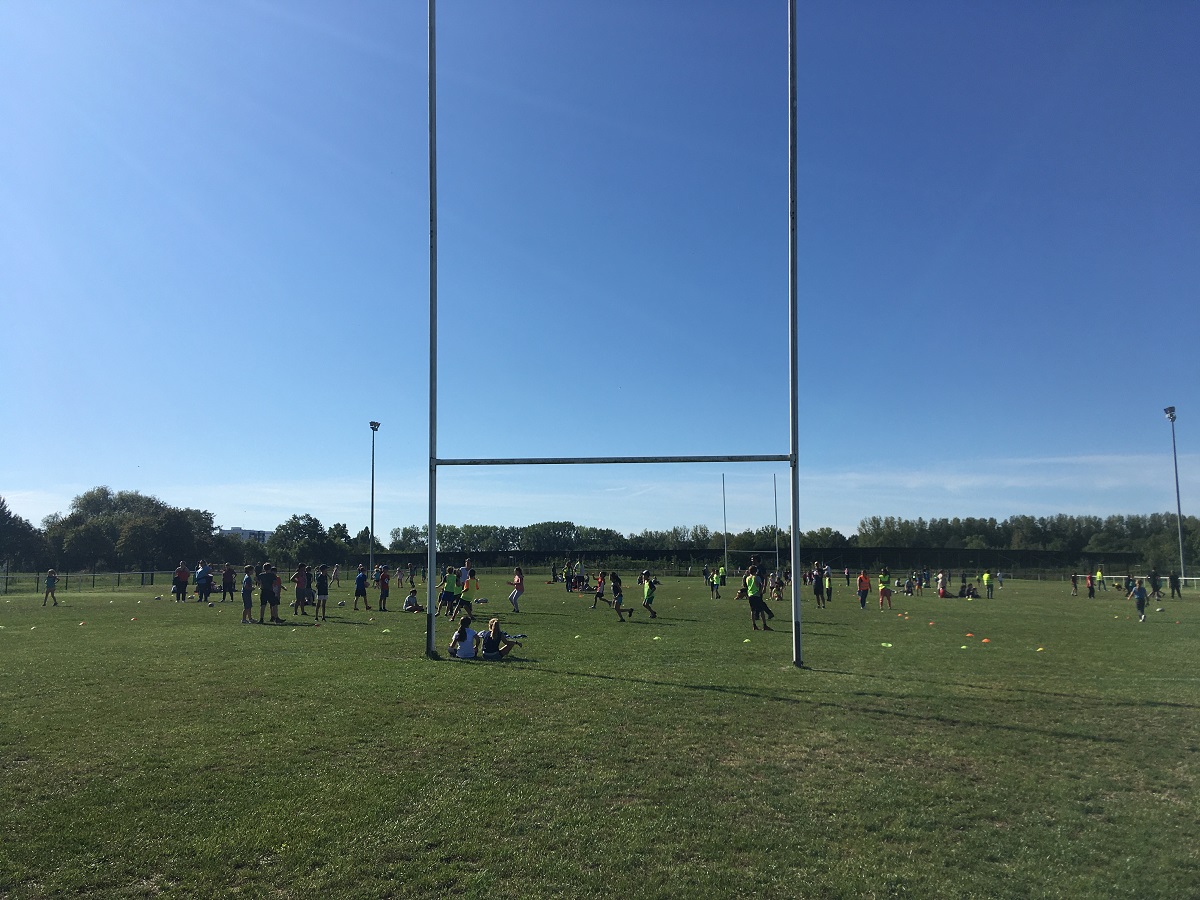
x: 1037, y: 692
x: 804, y: 697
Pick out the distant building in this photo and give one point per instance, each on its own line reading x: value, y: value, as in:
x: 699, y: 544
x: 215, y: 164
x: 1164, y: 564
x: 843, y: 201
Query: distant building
x: 246, y: 534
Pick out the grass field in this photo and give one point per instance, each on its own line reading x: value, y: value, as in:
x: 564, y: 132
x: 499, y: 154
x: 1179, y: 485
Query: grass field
x: 158, y: 749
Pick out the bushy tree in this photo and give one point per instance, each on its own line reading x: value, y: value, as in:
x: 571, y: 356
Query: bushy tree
x: 549, y: 536
x: 22, y: 545
x: 361, y: 544
x: 300, y: 540
x: 409, y: 539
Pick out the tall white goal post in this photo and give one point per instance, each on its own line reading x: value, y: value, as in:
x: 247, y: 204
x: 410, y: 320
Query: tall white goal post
x: 793, y: 361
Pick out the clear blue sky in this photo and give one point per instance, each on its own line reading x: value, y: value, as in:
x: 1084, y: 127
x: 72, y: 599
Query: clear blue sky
x: 214, y: 257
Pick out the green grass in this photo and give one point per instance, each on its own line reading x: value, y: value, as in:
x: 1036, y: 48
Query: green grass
x: 185, y: 755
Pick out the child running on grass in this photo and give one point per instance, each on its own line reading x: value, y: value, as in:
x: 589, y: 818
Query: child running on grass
x: 51, y: 584
x: 649, y: 584
x: 599, y: 590
x: 449, y: 595
x: 518, y: 584
x: 467, y: 595
x: 619, y: 597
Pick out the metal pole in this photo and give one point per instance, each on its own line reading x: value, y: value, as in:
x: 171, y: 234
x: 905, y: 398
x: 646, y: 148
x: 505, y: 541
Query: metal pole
x: 775, y: 491
x: 724, y: 523
x: 371, y: 530
x: 793, y: 332
x: 431, y: 540
x: 1170, y: 411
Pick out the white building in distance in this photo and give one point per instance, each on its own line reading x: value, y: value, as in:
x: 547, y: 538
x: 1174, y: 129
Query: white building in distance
x: 246, y: 534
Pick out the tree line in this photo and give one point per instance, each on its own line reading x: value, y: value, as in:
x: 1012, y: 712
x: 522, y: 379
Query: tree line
x: 1154, y: 537
x: 130, y: 531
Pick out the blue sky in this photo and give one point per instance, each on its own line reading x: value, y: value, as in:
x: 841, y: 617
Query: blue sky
x: 214, y: 257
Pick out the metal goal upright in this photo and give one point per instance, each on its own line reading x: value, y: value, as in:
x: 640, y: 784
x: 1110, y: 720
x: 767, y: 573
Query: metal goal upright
x: 793, y: 361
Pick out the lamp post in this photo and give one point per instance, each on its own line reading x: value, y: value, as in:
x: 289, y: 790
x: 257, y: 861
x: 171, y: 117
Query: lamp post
x: 371, y: 531
x: 1170, y: 411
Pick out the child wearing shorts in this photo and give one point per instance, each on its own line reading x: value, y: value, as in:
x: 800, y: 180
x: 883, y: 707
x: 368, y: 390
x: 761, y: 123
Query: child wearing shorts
x: 248, y: 596
x: 649, y: 585
x: 599, y: 590
x: 322, y: 593
x: 618, y: 597
x: 360, y: 587
x: 51, y: 584
x: 518, y: 584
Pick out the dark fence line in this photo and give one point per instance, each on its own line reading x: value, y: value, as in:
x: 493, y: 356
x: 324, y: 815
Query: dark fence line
x: 853, y: 558
x: 11, y: 582
x: 1015, y: 563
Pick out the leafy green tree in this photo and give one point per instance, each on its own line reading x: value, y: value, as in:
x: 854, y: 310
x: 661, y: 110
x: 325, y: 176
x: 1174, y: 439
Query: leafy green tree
x: 139, y: 543
x: 21, y: 544
x: 823, y: 538
x: 89, y: 544
x: 362, y: 543
x: 600, y: 539
x: 450, y: 539
x: 549, y: 536
x: 409, y: 539
x: 301, y: 539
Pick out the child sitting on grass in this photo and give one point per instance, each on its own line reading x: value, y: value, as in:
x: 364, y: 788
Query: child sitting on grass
x: 496, y: 644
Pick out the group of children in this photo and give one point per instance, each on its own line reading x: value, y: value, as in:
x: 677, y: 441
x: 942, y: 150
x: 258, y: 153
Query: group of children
x: 649, y: 586
x: 382, y: 577
x: 458, y: 591
x: 310, y: 590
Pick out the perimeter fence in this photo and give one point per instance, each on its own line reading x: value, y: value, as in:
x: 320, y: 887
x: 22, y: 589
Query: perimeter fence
x: 1027, y: 564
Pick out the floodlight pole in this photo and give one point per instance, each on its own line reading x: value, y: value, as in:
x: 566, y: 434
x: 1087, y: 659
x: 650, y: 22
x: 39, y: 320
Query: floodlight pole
x: 793, y: 336
x: 1170, y: 411
x: 431, y: 578
x: 371, y: 530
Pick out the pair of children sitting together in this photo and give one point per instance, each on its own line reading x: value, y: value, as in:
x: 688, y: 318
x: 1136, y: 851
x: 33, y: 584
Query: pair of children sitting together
x: 493, y: 644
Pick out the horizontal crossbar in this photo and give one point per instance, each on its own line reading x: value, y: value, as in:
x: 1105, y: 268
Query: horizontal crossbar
x: 607, y: 460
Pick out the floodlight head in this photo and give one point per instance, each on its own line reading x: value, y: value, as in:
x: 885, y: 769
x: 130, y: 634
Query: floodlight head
x: 374, y: 426
x: 1170, y: 411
